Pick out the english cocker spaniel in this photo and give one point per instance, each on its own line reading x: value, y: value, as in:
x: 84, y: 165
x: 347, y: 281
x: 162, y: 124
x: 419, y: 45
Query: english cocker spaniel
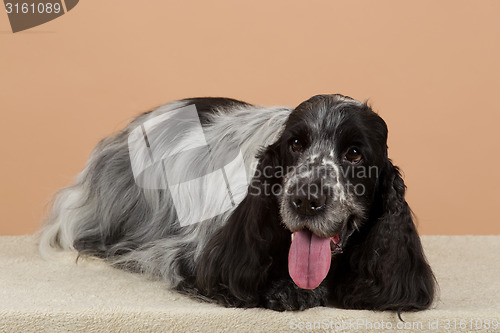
x: 251, y: 206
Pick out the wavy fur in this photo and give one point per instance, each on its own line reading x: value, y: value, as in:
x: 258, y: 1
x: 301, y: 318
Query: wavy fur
x: 240, y: 258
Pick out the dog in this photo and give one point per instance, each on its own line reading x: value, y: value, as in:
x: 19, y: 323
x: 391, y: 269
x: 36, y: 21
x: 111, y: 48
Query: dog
x: 316, y: 214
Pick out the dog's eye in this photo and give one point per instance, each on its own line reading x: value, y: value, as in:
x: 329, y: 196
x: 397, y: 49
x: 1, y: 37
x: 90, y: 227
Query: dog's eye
x: 296, y: 146
x: 353, y: 155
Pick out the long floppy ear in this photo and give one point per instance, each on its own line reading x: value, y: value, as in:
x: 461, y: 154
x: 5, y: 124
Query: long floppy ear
x: 388, y: 267
x: 235, y: 262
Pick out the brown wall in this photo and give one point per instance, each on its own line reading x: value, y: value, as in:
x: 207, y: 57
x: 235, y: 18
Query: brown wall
x: 431, y: 69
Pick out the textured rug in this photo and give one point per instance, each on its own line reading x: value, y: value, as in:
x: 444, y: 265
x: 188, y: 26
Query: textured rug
x: 37, y: 295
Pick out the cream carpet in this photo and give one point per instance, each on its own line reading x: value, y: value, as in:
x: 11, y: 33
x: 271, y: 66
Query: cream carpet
x: 59, y: 296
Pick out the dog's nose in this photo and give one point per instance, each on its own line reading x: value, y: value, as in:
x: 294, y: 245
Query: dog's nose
x: 311, y: 204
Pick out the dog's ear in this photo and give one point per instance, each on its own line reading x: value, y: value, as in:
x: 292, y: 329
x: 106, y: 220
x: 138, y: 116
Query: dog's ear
x: 234, y: 265
x: 388, y: 268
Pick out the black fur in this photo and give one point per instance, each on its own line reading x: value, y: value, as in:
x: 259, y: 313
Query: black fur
x: 382, y: 266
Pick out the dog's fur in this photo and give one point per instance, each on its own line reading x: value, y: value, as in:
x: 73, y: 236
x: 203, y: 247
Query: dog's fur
x: 240, y: 258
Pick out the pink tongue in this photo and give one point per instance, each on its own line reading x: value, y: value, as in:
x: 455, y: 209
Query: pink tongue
x: 309, y: 259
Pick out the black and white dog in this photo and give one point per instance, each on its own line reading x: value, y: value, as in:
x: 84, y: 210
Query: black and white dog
x: 319, y: 218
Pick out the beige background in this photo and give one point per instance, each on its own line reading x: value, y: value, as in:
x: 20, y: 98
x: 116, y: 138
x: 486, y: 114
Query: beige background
x: 431, y: 69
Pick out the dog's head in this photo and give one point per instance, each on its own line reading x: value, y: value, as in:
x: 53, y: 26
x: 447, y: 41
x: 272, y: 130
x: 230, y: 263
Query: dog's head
x: 327, y: 162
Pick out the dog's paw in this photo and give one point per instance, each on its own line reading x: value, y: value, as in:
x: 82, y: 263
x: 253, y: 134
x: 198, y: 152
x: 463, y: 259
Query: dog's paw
x: 284, y: 295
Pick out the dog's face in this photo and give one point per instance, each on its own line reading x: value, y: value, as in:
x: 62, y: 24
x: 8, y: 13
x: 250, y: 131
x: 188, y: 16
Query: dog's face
x: 334, y: 149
